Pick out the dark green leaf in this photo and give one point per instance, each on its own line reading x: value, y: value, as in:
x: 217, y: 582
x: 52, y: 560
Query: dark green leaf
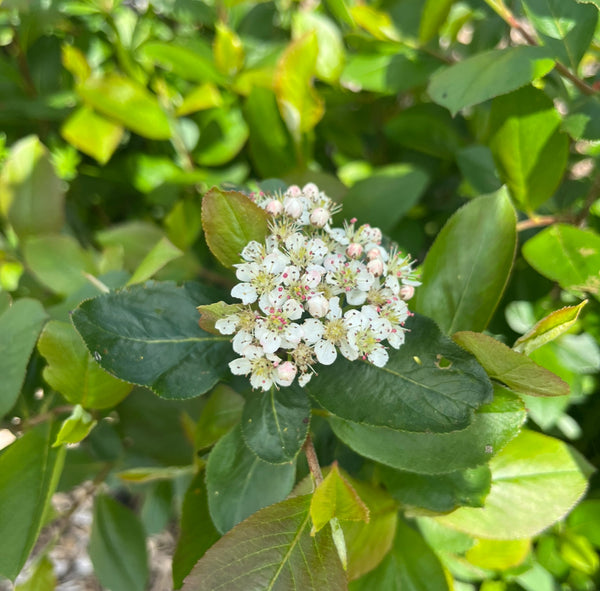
x: 128, y: 103
x: 438, y: 453
x: 468, y: 265
x: 274, y: 550
x: 583, y: 121
x: 488, y: 74
x: 435, y: 13
x: 118, y: 546
x: 536, y: 480
x: 222, y: 412
x: 20, y: 325
x: 411, y: 566
x: 477, y: 166
x: 439, y: 493
x: 568, y: 255
x: 149, y: 335
x: 429, y: 384
x: 386, y: 195
x: 30, y: 471
x: 565, y: 28
x: 239, y: 483
x: 230, y: 221
x: 31, y: 195
x: 275, y: 423
x: 513, y: 369
x: 529, y: 148
x: 197, y: 532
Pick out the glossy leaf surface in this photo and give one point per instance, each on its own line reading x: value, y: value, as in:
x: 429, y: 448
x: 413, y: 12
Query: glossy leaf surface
x: 220, y: 414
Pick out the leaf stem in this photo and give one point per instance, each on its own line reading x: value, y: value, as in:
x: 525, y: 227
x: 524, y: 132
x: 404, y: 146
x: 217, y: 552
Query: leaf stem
x: 47, y: 416
x: 536, y: 222
x: 313, y: 461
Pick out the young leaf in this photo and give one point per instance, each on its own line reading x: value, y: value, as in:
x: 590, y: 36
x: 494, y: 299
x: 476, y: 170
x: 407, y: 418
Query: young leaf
x: 536, y: 480
x: 335, y: 498
x: 528, y: 145
x: 73, y: 372
x: 149, y: 335
x: 228, y: 50
x: 475, y: 248
x: 75, y: 428
x: 239, y: 483
x: 549, y: 328
x: 498, y: 554
x: 438, y: 453
x: 118, y: 546
x: 219, y: 415
x: 197, y: 532
x: 231, y: 220
x: 568, y: 255
x: 435, y: 13
x: 513, y: 369
x: 275, y: 423
x: 162, y: 253
x: 429, y: 384
x: 272, y: 549
x: 42, y: 577
x: 31, y: 195
x: 210, y: 313
x: 488, y: 74
x: 20, y: 325
x: 30, y: 471
x: 128, y: 103
x: 205, y: 96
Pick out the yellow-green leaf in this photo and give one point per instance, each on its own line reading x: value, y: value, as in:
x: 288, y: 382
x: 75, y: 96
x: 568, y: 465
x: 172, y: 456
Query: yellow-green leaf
x: 75, y: 428
x: 228, y: 50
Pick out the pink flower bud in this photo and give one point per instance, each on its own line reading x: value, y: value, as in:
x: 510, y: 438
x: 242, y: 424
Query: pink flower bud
x: 354, y: 250
x: 293, y: 191
x: 375, y: 267
x: 286, y: 372
x: 274, y: 207
x: 407, y: 292
x: 319, y: 217
x: 318, y: 306
x: 374, y: 253
x: 310, y: 190
x: 293, y: 207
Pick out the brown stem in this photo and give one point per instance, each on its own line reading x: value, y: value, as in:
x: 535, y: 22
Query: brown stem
x: 47, y: 416
x: 537, y: 222
x: 313, y: 461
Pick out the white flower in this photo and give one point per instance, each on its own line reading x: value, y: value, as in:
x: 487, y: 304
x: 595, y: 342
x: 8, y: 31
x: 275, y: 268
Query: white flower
x: 319, y: 217
x: 285, y: 373
x: 318, y: 306
x: 351, y: 277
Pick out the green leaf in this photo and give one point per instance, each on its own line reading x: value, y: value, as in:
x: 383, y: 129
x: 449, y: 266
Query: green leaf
x: 220, y: 414
x: 300, y: 105
x: 477, y: 166
x: 583, y: 121
x: 498, y: 554
x: 513, y: 369
x: 579, y: 553
x: 149, y: 335
x: 118, y: 546
x: 197, y: 532
x: 438, y: 493
x: 438, y: 453
x: 434, y: 15
x: 161, y: 254
x: 230, y: 221
x: 429, y: 384
x: 584, y: 520
x: 331, y: 56
x: 548, y: 328
x: 42, y: 577
x: 410, y: 566
x: 529, y: 148
x: 596, y: 3
x: 239, y: 483
x: 565, y: 28
x: 275, y: 423
x: 93, y: 134
x: 205, y: 96
x: 30, y: 471
x: 377, y: 22
x: 152, y: 474
x: 74, y: 61
x: 335, y: 498
x: 339, y: 9
x: 128, y: 103
x: 488, y: 74
x: 211, y: 313
x: 228, y: 50
x: 475, y: 248
x: 31, y: 195
x: 20, y: 326
x: 533, y: 472
x: 75, y: 428
x: 223, y: 133
x: 73, y: 372
x: 58, y: 262
x: 386, y: 195
x: 274, y: 550
x: 568, y: 255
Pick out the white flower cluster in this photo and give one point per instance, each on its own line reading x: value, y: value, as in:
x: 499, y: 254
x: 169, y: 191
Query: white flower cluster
x: 311, y: 291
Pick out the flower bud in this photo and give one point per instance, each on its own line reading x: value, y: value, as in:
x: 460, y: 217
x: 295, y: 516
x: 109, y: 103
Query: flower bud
x: 286, y: 372
x: 293, y: 207
x: 318, y: 306
x: 274, y: 207
x: 310, y: 190
x: 319, y: 217
x: 375, y: 267
x: 354, y: 250
x: 293, y: 191
x: 407, y: 292
x: 374, y: 253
